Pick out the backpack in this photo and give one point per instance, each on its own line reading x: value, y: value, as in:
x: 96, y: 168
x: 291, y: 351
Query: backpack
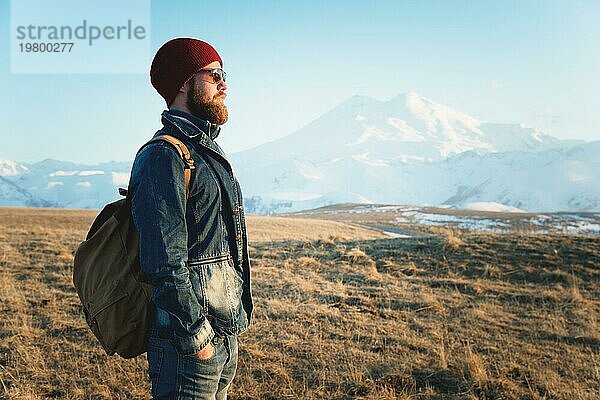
x: 108, y: 278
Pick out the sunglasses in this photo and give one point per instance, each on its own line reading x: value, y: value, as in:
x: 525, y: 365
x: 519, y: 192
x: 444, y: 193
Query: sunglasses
x: 217, y: 74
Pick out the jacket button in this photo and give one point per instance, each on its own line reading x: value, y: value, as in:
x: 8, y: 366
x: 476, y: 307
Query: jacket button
x: 236, y: 211
x: 238, y: 237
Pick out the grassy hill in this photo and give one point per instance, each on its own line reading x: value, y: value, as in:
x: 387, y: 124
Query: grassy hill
x: 341, y: 313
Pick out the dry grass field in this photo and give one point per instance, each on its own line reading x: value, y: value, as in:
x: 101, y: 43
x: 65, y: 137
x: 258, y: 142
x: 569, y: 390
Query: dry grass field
x: 341, y: 313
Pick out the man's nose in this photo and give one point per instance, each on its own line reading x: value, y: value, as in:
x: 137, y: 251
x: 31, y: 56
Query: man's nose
x: 222, y: 85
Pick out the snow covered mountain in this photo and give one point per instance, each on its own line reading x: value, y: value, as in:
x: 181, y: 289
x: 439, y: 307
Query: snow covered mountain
x: 551, y: 180
x: 411, y: 150
x: 566, y: 179
x: 69, y: 185
x: 10, y: 168
x: 408, y: 150
x: 406, y: 128
x: 13, y: 195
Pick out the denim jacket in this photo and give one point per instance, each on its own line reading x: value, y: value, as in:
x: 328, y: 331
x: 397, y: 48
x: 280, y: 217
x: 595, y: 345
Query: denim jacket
x: 194, y: 253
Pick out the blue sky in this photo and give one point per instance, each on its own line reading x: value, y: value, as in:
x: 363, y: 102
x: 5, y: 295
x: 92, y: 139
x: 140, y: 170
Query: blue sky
x: 536, y: 62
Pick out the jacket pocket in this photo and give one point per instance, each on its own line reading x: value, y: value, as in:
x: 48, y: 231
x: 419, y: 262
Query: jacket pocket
x: 219, y: 290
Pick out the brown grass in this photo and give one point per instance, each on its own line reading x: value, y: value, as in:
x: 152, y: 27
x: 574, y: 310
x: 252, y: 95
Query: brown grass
x: 269, y: 228
x: 495, y: 317
x: 452, y: 239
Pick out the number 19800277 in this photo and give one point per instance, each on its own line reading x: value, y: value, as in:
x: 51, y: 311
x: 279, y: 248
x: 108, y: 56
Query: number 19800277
x: 45, y: 47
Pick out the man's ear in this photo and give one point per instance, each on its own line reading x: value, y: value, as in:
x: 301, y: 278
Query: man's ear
x: 186, y: 85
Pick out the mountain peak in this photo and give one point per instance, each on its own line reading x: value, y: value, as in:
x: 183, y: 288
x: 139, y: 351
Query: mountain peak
x: 10, y: 167
x: 431, y: 112
x: 407, y: 95
x: 358, y: 101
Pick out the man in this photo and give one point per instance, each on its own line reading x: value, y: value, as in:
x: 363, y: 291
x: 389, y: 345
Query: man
x: 194, y: 250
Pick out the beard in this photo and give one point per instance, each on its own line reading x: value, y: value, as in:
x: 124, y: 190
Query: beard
x: 202, y: 106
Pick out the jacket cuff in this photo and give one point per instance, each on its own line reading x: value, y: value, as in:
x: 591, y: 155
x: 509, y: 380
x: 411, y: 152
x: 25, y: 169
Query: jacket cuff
x: 193, y: 344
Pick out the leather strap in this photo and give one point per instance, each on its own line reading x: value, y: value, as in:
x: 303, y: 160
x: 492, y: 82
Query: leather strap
x: 184, y: 153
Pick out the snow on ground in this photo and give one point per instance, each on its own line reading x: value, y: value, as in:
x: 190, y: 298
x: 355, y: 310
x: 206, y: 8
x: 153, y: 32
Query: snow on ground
x: 542, y: 223
x: 396, y: 235
x: 583, y: 227
x: 462, y: 222
x: 506, y: 222
x: 579, y: 217
x: 491, y: 206
x: 366, y: 208
x: 568, y: 223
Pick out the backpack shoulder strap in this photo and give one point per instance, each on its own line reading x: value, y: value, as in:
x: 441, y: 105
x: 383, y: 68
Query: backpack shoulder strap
x: 184, y: 153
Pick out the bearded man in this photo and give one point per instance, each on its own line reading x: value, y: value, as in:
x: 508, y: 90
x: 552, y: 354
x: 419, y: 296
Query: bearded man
x: 193, y: 240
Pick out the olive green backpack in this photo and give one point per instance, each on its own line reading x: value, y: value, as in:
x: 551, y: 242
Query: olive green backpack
x: 107, y: 275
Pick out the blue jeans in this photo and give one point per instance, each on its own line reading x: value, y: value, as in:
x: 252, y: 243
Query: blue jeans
x: 174, y: 376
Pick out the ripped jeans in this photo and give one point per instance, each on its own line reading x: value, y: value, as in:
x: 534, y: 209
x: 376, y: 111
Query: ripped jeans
x: 174, y: 376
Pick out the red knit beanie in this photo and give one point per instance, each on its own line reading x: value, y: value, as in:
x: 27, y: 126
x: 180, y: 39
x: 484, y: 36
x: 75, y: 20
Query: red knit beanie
x: 176, y: 61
